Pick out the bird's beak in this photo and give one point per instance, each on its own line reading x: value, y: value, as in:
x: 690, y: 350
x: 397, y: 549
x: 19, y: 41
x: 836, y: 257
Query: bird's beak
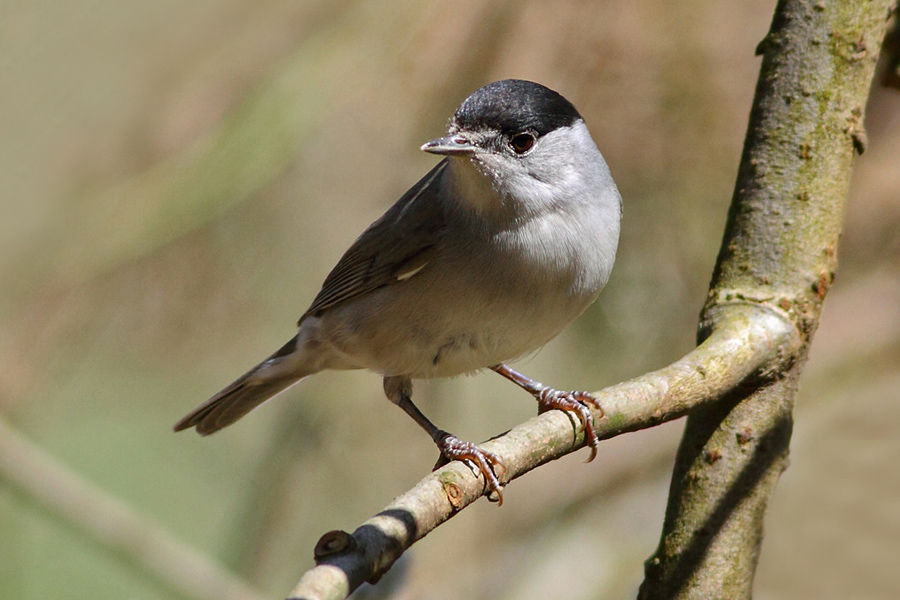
x: 451, y: 145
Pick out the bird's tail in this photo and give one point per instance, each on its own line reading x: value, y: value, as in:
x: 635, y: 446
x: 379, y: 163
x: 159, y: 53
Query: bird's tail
x: 265, y: 380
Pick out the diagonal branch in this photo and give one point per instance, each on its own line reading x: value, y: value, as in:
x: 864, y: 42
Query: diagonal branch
x: 747, y: 344
x: 179, y: 570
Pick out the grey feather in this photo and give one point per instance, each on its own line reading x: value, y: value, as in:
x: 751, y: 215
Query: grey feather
x: 243, y: 395
x: 404, y: 236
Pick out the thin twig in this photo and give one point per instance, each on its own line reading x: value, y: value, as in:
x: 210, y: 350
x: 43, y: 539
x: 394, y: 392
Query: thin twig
x: 41, y: 479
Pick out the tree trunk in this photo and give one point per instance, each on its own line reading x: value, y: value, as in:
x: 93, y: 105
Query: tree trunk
x: 779, y: 256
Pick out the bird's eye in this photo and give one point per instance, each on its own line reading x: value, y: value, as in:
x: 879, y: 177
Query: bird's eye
x: 522, y: 143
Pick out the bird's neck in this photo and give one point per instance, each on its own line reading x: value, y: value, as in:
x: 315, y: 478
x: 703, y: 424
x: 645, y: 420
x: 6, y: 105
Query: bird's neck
x: 473, y: 190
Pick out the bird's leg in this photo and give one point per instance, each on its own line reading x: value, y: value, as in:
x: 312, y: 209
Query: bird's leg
x: 399, y: 391
x: 548, y: 398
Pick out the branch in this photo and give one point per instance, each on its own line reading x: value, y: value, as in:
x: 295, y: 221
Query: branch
x: 743, y: 346
x: 34, y: 474
x: 780, y: 247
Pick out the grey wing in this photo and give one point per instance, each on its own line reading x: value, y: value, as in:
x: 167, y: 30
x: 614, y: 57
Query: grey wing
x: 393, y: 248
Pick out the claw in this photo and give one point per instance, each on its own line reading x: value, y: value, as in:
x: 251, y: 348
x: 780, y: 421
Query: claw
x: 452, y: 448
x: 577, y: 403
x: 570, y: 402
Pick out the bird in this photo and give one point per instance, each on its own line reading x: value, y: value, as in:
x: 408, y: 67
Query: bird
x: 496, y: 250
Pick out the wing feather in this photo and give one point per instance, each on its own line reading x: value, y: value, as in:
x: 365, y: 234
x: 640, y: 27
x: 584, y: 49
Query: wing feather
x: 394, y: 248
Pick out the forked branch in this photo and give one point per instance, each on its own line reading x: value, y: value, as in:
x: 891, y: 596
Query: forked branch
x: 776, y: 264
x: 746, y: 345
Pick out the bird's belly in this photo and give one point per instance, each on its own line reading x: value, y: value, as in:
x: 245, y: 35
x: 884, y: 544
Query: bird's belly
x: 473, y: 306
x: 410, y: 337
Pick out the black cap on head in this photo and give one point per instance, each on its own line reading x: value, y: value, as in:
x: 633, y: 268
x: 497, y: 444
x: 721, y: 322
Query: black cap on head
x: 513, y: 105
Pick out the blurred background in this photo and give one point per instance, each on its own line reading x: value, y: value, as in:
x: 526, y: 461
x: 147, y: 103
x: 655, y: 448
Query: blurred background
x: 178, y: 178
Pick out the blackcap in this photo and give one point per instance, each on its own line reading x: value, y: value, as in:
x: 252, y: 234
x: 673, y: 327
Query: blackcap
x: 488, y: 257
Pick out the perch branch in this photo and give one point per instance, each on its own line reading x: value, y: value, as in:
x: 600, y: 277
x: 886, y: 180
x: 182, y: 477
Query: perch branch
x: 743, y: 346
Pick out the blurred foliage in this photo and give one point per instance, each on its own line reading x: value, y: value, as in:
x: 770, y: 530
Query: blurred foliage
x: 177, y: 179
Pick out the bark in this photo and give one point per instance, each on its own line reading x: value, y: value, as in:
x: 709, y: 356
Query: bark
x: 731, y: 356
x: 779, y: 253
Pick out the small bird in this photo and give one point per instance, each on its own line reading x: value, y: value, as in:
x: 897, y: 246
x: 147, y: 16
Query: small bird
x: 507, y: 240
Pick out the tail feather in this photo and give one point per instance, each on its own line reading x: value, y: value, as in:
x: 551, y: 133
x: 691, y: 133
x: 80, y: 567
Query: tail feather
x: 254, y: 387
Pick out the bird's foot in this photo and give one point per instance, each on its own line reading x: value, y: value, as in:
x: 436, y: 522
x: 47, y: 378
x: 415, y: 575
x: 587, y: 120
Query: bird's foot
x: 452, y: 448
x: 579, y: 403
